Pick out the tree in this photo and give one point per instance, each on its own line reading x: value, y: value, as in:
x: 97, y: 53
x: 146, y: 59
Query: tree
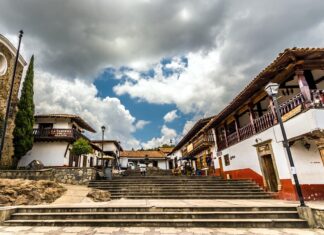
x: 80, y: 147
x: 24, y: 122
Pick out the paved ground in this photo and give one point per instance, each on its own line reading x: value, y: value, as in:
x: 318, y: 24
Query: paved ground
x: 150, y: 231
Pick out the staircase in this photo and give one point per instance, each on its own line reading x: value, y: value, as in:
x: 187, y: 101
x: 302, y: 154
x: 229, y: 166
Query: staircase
x: 181, y: 187
x: 256, y: 217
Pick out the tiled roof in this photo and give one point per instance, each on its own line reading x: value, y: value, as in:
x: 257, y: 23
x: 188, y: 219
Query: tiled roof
x: 83, y: 124
x: 142, y: 154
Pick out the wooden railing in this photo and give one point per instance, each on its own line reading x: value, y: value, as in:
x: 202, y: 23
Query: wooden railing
x: 268, y: 119
x: 202, y: 141
x: 55, y: 134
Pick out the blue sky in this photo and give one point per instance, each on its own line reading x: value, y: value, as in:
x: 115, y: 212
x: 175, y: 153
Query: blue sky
x: 139, y: 108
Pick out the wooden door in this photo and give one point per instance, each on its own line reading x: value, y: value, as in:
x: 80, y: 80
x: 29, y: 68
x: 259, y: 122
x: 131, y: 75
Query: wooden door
x: 269, y: 173
x: 221, y: 169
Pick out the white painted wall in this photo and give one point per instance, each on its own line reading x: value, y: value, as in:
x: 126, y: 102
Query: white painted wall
x: 306, y: 162
x: 49, y: 153
x: 162, y: 164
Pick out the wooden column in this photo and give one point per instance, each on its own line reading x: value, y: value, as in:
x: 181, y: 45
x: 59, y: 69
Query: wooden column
x: 303, y: 85
x: 252, y: 117
x: 275, y: 120
x: 237, y: 127
x: 225, y: 134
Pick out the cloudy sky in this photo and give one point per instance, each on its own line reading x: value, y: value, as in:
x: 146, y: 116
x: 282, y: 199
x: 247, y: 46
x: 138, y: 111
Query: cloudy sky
x: 148, y: 69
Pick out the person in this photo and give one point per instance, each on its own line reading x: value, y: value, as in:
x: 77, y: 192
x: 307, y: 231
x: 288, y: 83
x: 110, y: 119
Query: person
x: 143, y: 169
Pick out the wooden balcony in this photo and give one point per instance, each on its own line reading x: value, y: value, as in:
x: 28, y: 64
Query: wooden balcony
x: 268, y: 119
x: 202, y: 142
x: 57, y: 135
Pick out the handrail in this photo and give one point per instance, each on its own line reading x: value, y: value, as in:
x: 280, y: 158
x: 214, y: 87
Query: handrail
x: 57, y: 133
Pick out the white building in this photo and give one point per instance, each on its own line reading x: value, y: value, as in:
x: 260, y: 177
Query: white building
x: 248, y: 137
x: 155, y: 158
x: 111, y: 149
x: 54, y: 135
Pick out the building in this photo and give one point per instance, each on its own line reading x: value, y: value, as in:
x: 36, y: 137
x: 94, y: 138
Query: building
x: 54, y: 135
x: 7, y: 61
x: 111, y: 149
x: 247, y: 141
x: 197, y: 152
x: 155, y: 158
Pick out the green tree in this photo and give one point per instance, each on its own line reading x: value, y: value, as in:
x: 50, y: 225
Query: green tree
x: 24, y: 122
x: 81, y: 146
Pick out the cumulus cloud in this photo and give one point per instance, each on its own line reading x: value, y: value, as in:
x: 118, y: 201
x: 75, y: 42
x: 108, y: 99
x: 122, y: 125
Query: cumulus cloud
x: 167, y: 134
x: 170, y: 116
x: 226, y: 43
x: 56, y: 95
x: 140, y: 124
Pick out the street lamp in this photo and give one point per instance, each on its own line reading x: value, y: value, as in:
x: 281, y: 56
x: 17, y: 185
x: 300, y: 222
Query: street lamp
x: 103, y: 128
x: 272, y: 90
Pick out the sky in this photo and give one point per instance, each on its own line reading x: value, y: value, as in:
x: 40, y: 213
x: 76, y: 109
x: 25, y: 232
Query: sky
x: 148, y: 70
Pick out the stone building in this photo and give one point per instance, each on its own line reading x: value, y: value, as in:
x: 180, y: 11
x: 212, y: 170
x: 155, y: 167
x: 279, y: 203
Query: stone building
x: 7, y: 61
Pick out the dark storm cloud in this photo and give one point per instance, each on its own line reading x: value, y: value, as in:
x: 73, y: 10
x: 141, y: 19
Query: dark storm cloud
x: 77, y: 38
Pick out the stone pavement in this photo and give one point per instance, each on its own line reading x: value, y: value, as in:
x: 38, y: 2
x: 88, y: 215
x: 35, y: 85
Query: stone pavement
x: 151, y: 231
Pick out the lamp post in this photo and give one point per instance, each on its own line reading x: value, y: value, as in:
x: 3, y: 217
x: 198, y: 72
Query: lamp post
x: 103, y: 128
x: 5, y: 121
x: 272, y: 90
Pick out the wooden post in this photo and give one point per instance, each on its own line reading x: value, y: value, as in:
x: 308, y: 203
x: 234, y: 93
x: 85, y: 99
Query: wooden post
x: 252, y: 117
x: 303, y: 85
x: 225, y: 134
x: 237, y: 127
x: 275, y: 120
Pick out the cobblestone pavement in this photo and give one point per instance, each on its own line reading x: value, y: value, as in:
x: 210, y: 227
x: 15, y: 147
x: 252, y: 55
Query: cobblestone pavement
x: 150, y: 231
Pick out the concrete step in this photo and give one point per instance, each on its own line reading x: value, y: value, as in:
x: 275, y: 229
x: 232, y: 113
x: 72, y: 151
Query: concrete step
x: 157, y: 215
x: 225, y: 223
x: 61, y: 209
x: 252, y: 196
x: 185, y: 190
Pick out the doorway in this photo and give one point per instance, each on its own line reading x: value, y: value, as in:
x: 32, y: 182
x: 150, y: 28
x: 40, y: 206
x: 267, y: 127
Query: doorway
x: 269, y: 172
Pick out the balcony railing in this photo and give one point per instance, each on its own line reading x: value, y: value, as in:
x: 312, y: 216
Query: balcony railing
x: 268, y: 119
x: 57, y: 134
x: 202, y: 142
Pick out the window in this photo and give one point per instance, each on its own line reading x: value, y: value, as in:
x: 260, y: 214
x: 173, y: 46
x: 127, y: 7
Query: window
x: 227, y: 160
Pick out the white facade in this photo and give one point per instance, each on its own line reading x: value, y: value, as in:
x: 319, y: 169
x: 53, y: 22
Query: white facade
x: 49, y: 153
x: 308, y: 163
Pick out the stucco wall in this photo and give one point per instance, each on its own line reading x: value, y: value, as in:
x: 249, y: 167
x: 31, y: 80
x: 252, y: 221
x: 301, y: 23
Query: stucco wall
x: 49, y: 153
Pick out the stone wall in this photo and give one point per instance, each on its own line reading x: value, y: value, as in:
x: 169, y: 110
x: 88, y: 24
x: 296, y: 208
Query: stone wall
x: 66, y: 175
x: 313, y: 215
x: 5, y: 82
x: 74, y: 175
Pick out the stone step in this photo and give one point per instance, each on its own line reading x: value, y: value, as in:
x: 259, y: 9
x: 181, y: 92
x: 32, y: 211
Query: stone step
x: 166, y: 193
x: 173, y: 185
x: 225, y: 223
x: 251, y: 196
x: 157, y: 215
x: 177, y: 190
x: 61, y: 209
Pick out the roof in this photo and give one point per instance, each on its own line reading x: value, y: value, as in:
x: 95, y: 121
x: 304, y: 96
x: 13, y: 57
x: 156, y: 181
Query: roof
x: 12, y: 49
x: 142, y: 154
x: 166, y: 150
x: 83, y: 124
x: 285, y: 61
x: 198, y: 125
x: 117, y: 143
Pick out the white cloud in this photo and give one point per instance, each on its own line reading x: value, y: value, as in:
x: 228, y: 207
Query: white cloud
x: 170, y: 116
x: 56, y: 95
x: 167, y: 134
x: 140, y: 124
